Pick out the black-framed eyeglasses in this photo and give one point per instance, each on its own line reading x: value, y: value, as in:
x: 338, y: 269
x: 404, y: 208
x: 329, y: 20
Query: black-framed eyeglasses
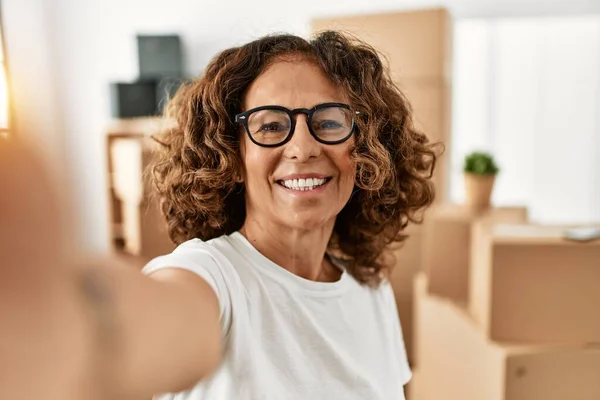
x: 271, y: 126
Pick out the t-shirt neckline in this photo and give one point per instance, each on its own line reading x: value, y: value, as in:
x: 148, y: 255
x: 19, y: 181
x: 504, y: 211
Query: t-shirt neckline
x: 286, y: 277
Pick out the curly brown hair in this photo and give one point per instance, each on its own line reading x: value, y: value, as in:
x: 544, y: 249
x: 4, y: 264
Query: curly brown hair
x: 197, y: 172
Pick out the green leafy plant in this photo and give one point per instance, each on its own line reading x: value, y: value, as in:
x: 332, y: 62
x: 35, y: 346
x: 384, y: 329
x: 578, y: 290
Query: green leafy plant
x: 480, y: 163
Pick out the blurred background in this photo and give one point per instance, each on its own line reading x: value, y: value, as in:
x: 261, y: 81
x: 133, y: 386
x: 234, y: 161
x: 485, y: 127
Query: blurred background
x: 498, y: 291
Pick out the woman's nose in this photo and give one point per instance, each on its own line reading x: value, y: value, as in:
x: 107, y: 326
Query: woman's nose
x: 302, y: 146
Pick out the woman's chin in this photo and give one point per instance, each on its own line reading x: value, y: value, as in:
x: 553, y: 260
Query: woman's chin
x: 307, y: 220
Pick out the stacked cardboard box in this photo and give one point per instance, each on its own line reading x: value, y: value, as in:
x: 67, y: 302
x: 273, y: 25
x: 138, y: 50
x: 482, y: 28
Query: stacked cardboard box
x: 458, y: 361
x: 529, y: 326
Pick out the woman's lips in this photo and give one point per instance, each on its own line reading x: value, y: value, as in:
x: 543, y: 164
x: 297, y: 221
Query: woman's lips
x: 305, y: 186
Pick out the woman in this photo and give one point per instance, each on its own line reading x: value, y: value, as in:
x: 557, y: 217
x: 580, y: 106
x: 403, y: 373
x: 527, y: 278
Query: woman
x: 293, y: 165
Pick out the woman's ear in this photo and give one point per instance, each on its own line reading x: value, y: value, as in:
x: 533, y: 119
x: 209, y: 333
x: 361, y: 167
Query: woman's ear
x: 240, y: 175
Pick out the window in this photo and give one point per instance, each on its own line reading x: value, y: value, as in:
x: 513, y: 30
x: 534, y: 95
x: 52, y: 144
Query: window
x: 528, y: 90
x: 4, y: 101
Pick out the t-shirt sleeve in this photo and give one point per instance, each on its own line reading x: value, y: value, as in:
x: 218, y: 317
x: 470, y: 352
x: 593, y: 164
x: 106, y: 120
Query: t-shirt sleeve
x: 195, y: 256
x: 405, y: 370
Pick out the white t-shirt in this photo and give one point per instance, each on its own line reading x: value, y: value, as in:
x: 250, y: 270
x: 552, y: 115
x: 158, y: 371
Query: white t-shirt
x: 290, y: 338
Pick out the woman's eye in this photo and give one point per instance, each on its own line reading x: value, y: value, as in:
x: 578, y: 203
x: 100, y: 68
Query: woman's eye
x: 329, y: 125
x: 271, y: 127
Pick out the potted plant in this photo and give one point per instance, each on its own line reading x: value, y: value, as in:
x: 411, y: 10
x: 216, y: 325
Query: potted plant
x: 480, y: 172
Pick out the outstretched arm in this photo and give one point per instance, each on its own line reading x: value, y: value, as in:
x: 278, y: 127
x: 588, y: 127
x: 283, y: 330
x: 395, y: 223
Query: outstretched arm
x: 96, y: 331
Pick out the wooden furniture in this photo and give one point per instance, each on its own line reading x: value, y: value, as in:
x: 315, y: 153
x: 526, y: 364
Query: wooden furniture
x: 529, y: 285
x: 416, y: 45
x: 457, y: 361
x: 137, y: 226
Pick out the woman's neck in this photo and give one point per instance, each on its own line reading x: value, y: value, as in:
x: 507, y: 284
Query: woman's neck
x: 301, y: 252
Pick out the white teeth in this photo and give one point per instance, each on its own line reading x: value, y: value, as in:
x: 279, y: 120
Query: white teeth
x: 303, y: 184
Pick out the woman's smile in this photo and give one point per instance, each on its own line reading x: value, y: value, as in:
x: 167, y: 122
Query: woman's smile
x: 305, y: 187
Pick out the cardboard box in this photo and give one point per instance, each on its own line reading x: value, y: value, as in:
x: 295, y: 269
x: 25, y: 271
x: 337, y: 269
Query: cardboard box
x: 447, y: 245
x: 413, y: 390
x: 425, y: 34
x: 458, y: 362
x: 408, y: 263
x: 530, y: 285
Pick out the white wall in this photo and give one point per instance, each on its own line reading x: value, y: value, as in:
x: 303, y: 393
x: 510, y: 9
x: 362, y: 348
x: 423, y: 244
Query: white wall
x: 93, y: 43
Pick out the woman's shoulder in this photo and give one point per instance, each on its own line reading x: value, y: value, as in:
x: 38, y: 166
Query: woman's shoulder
x: 194, y: 253
x: 206, y: 259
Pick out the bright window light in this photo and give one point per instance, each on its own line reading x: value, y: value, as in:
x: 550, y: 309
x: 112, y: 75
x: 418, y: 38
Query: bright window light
x: 528, y: 90
x: 4, y: 101
x: 4, y: 106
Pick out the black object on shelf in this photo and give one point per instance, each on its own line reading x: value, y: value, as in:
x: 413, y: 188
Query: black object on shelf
x: 160, y: 75
x: 134, y: 99
x: 160, y: 56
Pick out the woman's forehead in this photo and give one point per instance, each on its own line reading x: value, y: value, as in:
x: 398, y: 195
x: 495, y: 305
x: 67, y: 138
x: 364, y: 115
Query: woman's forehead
x: 292, y: 84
